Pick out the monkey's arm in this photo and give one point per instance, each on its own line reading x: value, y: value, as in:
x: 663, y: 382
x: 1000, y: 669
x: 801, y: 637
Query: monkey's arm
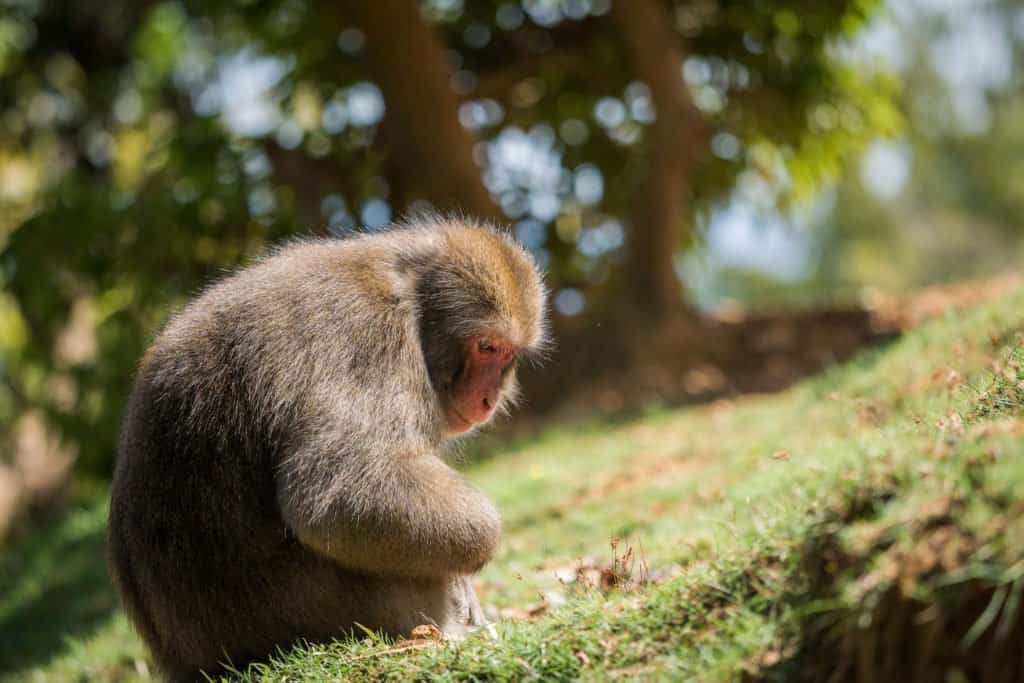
x: 392, y: 515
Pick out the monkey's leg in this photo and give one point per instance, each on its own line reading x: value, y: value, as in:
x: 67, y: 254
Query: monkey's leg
x: 466, y: 607
x: 450, y: 604
x: 476, y: 611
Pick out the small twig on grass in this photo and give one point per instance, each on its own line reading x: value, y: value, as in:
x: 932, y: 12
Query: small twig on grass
x: 407, y: 646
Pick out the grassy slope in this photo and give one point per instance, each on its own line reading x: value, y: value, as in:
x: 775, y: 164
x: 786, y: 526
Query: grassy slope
x: 866, y: 523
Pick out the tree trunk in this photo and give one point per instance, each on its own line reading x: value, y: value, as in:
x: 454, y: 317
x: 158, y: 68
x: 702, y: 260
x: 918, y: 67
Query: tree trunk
x: 661, y: 217
x: 431, y: 151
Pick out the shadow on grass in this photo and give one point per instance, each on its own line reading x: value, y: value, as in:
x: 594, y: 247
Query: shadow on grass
x: 53, y: 586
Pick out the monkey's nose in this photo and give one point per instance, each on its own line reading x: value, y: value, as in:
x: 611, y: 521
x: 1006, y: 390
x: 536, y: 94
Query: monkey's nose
x: 487, y: 403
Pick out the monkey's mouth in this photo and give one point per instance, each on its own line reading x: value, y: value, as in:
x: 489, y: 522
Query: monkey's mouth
x: 453, y: 414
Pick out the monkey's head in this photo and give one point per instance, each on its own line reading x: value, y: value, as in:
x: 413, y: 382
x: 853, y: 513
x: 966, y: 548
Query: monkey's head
x: 482, y: 313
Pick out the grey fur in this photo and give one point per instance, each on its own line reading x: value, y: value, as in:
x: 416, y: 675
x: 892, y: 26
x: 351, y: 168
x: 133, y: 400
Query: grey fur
x: 280, y: 473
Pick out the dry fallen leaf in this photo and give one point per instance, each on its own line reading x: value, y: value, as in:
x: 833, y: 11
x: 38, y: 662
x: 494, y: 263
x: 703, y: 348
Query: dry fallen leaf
x: 780, y: 455
x: 426, y: 632
x: 400, y: 648
x: 537, y: 609
x: 525, y: 613
x: 597, y: 578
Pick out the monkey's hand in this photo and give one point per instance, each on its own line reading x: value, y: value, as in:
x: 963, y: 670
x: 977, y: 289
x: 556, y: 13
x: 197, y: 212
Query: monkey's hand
x: 396, y: 515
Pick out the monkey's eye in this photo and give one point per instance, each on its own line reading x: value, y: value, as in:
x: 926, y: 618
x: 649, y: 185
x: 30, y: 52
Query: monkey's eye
x: 485, y: 347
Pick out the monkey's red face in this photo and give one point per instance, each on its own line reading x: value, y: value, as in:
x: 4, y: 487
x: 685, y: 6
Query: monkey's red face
x: 476, y: 391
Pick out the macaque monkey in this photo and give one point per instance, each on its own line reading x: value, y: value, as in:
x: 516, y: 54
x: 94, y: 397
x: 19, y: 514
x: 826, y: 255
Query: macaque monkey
x: 280, y: 474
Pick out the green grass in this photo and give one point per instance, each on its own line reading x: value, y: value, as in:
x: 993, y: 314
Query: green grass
x: 865, y: 525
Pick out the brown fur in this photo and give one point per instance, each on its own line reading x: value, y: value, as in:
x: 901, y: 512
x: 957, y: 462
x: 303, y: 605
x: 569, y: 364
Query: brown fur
x: 280, y: 474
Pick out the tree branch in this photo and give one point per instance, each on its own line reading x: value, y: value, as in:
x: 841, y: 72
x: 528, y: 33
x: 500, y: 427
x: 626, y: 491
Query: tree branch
x: 497, y: 82
x: 311, y: 179
x: 676, y: 142
x: 430, y: 149
x: 516, y: 56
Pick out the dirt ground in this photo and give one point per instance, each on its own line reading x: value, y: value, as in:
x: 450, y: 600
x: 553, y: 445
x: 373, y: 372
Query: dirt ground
x: 726, y: 355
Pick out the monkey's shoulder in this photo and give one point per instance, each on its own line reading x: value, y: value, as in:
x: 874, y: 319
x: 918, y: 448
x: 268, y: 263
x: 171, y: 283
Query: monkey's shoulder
x: 318, y: 298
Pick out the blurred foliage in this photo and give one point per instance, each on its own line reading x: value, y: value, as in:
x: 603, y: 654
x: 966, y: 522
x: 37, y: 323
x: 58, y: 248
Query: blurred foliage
x: 947, y: 198
x: 958, y: 214
x: 146, y: 147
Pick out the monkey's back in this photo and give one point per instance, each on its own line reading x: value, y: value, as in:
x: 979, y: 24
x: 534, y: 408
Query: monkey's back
x: 205, y: 565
